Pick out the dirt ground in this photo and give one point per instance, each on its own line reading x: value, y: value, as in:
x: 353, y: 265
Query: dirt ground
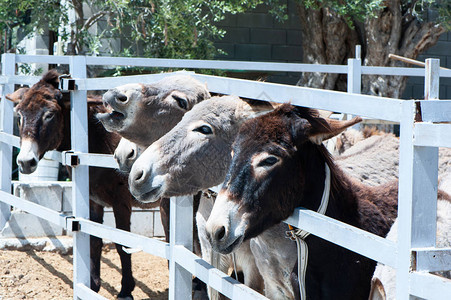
x: 48, y: 275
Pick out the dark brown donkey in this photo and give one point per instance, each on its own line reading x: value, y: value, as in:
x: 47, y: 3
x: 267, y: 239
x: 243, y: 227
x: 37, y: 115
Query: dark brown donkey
x: 279, y: 163
x: 44, y: 123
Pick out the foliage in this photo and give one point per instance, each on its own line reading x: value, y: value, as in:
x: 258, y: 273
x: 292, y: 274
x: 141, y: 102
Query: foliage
x: 28, y: 14
x: 176, y: 29
x: 150, y: 28
x: 361, y: 10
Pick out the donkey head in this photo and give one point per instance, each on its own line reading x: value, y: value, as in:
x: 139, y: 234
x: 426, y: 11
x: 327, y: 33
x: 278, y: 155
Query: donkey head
x: 126, y: 154
x: 144, y: 112
x: 40, y: 120
x: 277, y: 158
x: 195, y: 154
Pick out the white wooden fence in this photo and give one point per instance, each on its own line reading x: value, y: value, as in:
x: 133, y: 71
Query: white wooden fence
x: 417, y: 175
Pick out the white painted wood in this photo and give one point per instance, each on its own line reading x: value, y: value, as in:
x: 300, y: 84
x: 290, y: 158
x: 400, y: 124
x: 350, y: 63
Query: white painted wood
x: 49, y: 59
x: 84, y: 292
x: 400, y: 71
x: 424, y: 202
x: 91, y: 84
x: 19, y: 79
x: 358, y: 51
x: 9, y: 139
x: 214, y: 64
x: 435, y: 110
x: 345, y: 235
x: 40, y: 211
x: 431, y: 79
x: 417, y: 200
x: 180, y: 234
x: 92, y: 159
x: 405, y: 201
x: 428, y: 134
x: 428, y: 286
x: 213, y: 277
x: 432, y: 259
x: 54, y: 155
x: 226, y: 65
x: 361, y: 105
x: 125, y: 238
x: 354, y: 75
x: 80, y: 174
x: 6, y: 126
x: 418, y: 172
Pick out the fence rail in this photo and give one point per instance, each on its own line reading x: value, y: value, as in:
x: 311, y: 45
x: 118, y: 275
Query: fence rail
x: 418, y: 164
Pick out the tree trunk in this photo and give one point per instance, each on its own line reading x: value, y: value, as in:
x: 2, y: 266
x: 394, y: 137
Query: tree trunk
x: 74, y: 46
x: 327, y: 39
x: 396, y: 32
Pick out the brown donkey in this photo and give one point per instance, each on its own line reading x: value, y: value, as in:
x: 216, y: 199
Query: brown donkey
x: 44, y: 123
x: 278, y: 164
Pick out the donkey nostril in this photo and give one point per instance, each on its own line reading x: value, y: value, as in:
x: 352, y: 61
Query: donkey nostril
x: 220, y: 233
x: 131, y: 154
x: 122, y: 97
x: 139, y: 175
x: 33, y: 163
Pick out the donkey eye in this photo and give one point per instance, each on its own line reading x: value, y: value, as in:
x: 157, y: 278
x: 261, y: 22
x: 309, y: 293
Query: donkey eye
x: 269, y: 161
x: 19, y: 119
x: 182, y: 103
x: 204, y: 129
x: 49, y: 116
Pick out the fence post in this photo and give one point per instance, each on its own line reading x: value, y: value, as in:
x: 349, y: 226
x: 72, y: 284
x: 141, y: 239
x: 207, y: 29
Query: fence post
x: 431, y: 79
x: 180, y: 234
x: 6, y: 119
x: 355, y: 73
x: 354, y: 76
x: 80, y: 174
x: 418, y: 175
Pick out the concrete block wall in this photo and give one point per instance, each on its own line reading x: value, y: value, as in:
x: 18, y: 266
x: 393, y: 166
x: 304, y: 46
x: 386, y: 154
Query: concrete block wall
x: 258, y: 36
x: 442, y: 51
x: 56, y: 195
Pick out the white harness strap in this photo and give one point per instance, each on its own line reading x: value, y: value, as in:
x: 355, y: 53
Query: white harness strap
x: 299, y: 236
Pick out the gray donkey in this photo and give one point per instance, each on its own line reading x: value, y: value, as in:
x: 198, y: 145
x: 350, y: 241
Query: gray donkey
x: 142, y: 113
x: 203, y: 139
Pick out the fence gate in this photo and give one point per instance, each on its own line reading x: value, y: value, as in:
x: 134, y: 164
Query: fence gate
x: 422, y: 132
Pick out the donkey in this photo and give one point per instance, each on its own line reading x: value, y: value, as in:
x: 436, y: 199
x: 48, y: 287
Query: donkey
x: 193, y: 156
x: 383, y: 283
x: 278, y: 164
x: 126, y: 154
x: 142, y: 113
x: 44, y: 124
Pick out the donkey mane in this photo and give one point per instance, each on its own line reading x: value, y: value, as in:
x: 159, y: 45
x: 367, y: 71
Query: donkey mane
x: 51, y: 77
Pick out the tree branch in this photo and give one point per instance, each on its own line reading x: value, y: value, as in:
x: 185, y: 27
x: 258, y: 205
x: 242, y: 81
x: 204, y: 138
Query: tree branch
x: 93, y: 19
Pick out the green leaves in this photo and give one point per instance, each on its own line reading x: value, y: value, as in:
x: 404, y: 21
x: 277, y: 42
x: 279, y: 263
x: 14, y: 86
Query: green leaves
x: 362, y: 10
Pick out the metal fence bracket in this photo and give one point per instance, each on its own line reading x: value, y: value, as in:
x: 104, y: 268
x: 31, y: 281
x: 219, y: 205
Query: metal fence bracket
x: 69, y: 158
x: 67, y: 84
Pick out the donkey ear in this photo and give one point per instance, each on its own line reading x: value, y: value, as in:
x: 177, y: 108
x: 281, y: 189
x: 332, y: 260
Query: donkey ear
x: 17, y: 95
x: 52, y: 77
x: 248, y: 109
x: 377, y: 290
x: 320, y: 133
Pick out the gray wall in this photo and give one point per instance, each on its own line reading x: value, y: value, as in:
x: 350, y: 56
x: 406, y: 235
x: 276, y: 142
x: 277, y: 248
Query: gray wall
x: 442, y: 50
x: 257, y: 36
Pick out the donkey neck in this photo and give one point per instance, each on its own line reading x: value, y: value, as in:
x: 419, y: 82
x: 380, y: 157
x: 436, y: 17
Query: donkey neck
x: 342, y: 200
